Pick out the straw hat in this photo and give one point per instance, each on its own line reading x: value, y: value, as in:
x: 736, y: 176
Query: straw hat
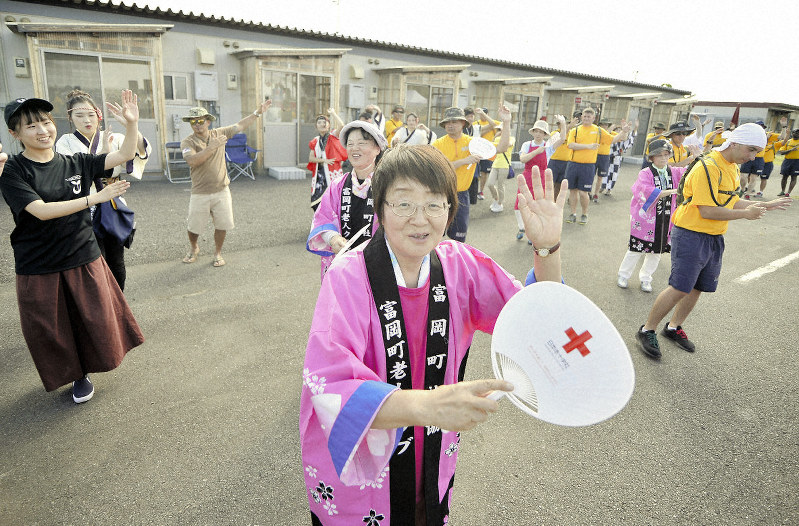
x: 197, y: 113
x: 540, y: 125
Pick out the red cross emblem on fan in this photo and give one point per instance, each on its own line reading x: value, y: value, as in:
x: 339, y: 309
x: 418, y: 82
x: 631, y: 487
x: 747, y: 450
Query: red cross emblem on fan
x: 577, y: 341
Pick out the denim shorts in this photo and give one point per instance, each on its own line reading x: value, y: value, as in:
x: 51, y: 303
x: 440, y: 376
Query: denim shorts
x: 602, y: 165
x: 558, y: 170
x: 754, y: 166
x: 580, y: 175
x: 790, y: 167
x: 460, y: 223
x: 695, y: 260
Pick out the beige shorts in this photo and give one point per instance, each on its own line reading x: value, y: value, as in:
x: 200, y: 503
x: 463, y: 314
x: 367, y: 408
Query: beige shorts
x: 218, y: 206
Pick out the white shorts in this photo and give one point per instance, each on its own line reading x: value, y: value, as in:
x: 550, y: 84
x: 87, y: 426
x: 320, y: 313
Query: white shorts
x: 217, y: 206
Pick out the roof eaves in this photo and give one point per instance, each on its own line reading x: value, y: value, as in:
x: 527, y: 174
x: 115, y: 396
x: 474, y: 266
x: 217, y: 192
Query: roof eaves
x: 260, y: 27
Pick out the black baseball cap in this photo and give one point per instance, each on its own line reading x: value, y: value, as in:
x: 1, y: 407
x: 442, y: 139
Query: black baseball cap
x: 16, y: 105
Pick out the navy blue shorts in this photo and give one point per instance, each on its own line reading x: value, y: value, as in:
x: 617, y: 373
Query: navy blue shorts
x: 767, y: 169
x: 753, y: 167
x: 485, y: 165
x: 580, y: 175
x: 460, y: 223
x: 558, y: 170
x: 790, y: 167
x: 602, y: 165
x: 695, y: 260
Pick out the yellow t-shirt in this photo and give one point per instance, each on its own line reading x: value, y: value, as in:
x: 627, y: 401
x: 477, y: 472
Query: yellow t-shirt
x: 718, y: 140
x: 605, y: 140
x: 771, y: 138
x: 724, y: 176
x: 772, y: 145
x: 788, y: 145
x: 562, y: 152
x: 499, y: 161
x: 680, y: 153
x: 391, y: 128
x: 583, y: 135
x: 454, y: 151
x: 489, y: 135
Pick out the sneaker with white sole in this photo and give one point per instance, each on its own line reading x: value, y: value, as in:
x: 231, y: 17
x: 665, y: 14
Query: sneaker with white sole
x: 622, y: 282
x: 82, y: 390
x: 679, y: 337
x: 646, y: 286
x: 583, y: 219
x: 572, y: 218
x: 496, y: 207
x: 759, y: 195
x: 480, y: 196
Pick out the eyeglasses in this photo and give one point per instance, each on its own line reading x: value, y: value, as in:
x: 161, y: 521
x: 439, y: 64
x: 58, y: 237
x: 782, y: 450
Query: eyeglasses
x: 408, y: 209
x: 196, y: 121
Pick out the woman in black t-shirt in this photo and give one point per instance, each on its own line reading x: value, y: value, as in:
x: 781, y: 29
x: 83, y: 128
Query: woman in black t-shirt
x: 74, y: 317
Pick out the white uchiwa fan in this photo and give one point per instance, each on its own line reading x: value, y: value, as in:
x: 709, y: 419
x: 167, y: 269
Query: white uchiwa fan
x: 567, y: 362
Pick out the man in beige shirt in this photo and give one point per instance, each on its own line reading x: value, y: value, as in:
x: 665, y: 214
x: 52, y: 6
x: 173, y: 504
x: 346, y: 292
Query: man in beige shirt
x: 204, y: 152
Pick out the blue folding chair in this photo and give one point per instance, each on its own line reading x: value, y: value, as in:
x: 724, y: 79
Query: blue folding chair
x: 240, y: 157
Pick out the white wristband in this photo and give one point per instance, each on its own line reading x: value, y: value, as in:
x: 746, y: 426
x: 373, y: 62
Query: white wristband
x: 256, y: 113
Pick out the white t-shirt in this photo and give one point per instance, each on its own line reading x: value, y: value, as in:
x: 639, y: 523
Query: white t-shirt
x: 417, y: 136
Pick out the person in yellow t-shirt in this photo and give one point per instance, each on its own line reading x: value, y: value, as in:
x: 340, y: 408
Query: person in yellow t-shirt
x: 753, y: 170
x: 455, y: 146
x: 394, y: 123
x: 607, y: 138
x: 559, y: 160
x: 584, y: 141
x: 790, y: 165
x: 714, y: 139
x: 682, y: 155
x: 499, y: 171
x: 709, y: 203
x: 485, y: 127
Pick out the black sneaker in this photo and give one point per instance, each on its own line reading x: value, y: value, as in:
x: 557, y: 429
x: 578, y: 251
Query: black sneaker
x: 679, y: 337
x: 82, y: 390
x: 649, y: 342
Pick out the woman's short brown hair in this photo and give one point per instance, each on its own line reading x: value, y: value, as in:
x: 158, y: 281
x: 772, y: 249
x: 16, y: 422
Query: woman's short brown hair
x: 421, y: 163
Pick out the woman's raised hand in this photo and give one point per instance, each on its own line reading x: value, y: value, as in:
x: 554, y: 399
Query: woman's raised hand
x: 542, y: 215
x: 128, y: 110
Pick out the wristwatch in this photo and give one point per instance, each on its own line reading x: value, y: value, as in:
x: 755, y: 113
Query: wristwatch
x: 544, y: 252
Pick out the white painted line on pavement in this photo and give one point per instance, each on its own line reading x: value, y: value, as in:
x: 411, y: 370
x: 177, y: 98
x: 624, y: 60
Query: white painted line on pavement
x: 766, y: 269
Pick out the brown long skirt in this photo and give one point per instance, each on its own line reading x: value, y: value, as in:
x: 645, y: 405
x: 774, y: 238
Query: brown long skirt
x: 75, y: 322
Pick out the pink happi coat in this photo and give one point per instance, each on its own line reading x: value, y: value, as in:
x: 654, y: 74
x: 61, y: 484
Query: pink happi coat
x: 345, y: 462
x: 650, y: 216
x: 328, y: 217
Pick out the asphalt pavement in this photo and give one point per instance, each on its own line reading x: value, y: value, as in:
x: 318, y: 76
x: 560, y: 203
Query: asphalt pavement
x: 199, y: 425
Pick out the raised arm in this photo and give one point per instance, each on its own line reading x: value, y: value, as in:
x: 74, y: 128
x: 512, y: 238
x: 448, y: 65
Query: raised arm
x: 339, y: 123
x: 484, y: 117
x: 127, y: 113
x: 504, y: 114
x: 246, y: 121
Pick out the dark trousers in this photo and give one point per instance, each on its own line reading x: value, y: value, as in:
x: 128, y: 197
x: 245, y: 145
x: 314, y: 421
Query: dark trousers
x: 114, y: 255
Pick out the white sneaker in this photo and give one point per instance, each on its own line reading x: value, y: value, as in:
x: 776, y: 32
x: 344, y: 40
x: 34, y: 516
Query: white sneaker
x: 646, y: 286
x: 496, y: 207
x: 622, y: 282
